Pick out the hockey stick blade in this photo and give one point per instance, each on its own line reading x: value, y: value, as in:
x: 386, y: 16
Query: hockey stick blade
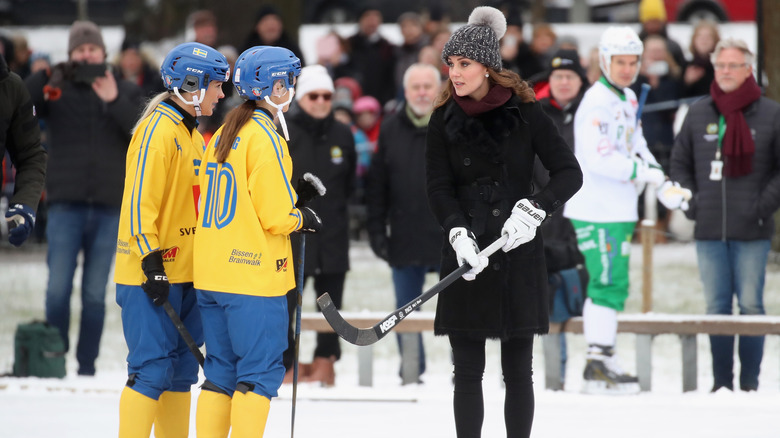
x: 370, y: 335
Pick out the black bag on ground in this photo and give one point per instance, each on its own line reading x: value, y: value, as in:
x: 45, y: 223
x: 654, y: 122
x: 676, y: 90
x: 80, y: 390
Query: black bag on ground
x: 39, y: 350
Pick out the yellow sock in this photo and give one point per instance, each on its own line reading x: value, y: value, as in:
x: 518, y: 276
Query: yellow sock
x: 212, y: 418
x: 173, y: 415
x: 136, y: 414
x: 249, y: 415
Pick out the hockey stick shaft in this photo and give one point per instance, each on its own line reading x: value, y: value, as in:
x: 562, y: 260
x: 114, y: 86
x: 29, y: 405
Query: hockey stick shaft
x: 183, y: 332
x: 299, y: 301
x: 642, y: 99
x: 368, y: 336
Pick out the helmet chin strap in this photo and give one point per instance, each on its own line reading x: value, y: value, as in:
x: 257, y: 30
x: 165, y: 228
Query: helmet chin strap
x: 195, y: 99
x: 280, y: 112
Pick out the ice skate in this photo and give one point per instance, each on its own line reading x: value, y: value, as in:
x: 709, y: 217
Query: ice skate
x: 603, y: 375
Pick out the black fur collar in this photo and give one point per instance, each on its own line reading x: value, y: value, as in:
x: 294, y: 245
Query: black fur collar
x: 485, y: 132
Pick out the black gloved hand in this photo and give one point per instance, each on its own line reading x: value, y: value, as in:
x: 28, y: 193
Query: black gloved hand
x: 309, y: 187
x: 21, y: 221
x: 156, y: 285
x: 380, y: 245
x: 311, y: 223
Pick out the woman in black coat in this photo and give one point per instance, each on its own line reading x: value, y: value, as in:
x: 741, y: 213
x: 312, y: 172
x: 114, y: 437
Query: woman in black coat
x: 482, y: 140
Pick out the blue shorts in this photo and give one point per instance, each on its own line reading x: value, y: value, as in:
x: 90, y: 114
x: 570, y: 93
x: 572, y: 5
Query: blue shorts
x: 158, y: 356
x: 246, y: 336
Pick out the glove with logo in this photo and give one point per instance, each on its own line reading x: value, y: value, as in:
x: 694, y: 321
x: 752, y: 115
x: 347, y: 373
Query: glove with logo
x: 673, y: 196
x: 521, y: 226
x: 21, y: 221
x: 156, y: 285
x: 466, y: 251
x: 310, y: 222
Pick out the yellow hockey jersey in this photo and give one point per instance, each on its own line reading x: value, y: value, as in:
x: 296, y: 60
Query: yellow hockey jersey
x: 159, y: 204
x: 247, y: 211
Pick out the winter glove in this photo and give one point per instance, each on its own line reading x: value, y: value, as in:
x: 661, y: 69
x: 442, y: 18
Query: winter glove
x: 379, y: 245
x: 466, y: 251
x: 156, y: 285
x: 309, y: 187
x: 310, y: 223
x: 521, y: 226
x: 21, y: 221
x: 673, y: 196
x: 647, y: 173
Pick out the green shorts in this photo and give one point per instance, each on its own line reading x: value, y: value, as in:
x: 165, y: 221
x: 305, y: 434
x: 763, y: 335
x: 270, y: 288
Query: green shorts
x: 606, y: 247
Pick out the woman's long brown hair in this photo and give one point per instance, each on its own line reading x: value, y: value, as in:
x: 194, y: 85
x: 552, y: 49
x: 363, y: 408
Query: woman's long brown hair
x: 235, y: 119
x: 505, y: 78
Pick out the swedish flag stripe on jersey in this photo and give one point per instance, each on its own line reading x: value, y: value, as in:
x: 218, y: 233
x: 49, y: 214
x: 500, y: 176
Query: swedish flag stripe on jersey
x: 135, y: 212
x: 274, y: 136
x: 168, y: 110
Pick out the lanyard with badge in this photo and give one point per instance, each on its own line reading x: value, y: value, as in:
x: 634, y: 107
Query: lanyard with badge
x: 716, y: 165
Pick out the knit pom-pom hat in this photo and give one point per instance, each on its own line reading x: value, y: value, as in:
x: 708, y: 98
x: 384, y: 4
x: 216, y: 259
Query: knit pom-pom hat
x: 478, y: 39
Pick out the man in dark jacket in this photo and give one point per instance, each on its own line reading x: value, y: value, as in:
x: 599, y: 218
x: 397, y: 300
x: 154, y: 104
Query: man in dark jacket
x: 321, y: 145
x: 269, y: 31
x: 401, y: 227
x: 373, y: 56
x: 89, y: 115
x: 20, y: 136
x: 728, y: 154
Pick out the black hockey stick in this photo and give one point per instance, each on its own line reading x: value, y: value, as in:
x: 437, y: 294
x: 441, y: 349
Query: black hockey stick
x: 185, y: 334
x: 368, y: 336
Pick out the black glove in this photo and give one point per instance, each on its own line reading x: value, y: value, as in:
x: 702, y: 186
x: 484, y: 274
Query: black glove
x: 311, y: 222
x: 21, y: 221
x: 309, y: 187
x: 156, y: 285
x: 379, y: 245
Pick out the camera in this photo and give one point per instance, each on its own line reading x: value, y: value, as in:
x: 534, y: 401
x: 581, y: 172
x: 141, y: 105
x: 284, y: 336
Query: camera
x: 86, y: 73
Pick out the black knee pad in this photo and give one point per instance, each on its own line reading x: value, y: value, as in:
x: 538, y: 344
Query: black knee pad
x: 208, y: 386
x: 244, y: 387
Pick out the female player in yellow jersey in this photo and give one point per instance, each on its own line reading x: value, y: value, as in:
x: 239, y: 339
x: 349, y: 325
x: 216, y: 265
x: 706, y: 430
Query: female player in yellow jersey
x: 155, y: 245
x: 243, y: 258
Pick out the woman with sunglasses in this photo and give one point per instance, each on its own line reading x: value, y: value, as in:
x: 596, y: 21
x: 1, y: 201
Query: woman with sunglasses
x: 325, y: 147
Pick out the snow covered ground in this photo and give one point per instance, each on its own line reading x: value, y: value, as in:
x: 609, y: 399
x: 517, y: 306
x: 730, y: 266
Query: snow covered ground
x: 88, y: 407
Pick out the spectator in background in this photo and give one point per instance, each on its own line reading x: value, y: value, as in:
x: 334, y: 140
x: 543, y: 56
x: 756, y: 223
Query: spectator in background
x: 324, y: 147
x: 728, y: 154
x: 22, y: 52
x: 89, y: 120
x: 401, y: 228
x: 431, y: 54
x: 659, y: 69
x: 543, y: 44
x: 332, y: 53
x: 39, y: 61
x: 269, y: 31
x: 516, y: 53
x: 411, y: 24
x: 373, y: 56
x: 652, y: 15
x: 204, y: 27
x: 21, y: 138
x: 567, y: 84
x: 436, y: 18
x: 368, y: 118
x: 593, y: 70
x: 699, y: 73
x: 208, y: 125
x: 133, y: 66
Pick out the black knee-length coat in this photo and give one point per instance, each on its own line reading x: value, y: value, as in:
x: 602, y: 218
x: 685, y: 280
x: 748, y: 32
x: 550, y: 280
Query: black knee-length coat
x: 477, y: 169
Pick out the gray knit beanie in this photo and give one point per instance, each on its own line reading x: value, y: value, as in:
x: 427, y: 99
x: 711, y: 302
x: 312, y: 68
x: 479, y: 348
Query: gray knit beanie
x: 83, y: 32
x: 478, y: 40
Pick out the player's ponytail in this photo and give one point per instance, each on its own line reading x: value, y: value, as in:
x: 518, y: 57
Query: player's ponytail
x: 235, y: 119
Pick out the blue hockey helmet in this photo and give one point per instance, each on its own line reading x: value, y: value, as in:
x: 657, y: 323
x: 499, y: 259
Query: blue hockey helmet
x: 191, y: 66
x: 259, y: 67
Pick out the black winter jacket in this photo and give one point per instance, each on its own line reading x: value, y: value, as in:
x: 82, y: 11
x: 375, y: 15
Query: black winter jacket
x: 326, y: 148
x: 396, y: 195
x: 733, y: 208
x: 88, y: 140
x: 477, y: 169
x: 21, y: 137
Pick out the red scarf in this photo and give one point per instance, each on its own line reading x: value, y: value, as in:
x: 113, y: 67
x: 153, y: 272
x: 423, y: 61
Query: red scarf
x: 738, y: 144
x: 496, y: 96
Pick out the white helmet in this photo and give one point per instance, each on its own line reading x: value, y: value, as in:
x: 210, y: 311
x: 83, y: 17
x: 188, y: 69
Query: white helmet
x: 618, y: 40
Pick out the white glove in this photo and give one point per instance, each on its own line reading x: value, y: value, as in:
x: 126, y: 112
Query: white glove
x: 648, y: 173
x: 521, y: 225
x: 673, y: 196
x: 467, y: 251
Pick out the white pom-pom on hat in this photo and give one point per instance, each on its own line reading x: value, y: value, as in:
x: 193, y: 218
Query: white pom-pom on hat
x: 488, y: 16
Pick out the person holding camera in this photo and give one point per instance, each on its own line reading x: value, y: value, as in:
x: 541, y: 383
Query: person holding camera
x: 89, y: 115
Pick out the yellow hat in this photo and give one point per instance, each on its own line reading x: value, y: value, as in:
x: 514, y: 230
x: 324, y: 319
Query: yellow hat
x: 651, y: 9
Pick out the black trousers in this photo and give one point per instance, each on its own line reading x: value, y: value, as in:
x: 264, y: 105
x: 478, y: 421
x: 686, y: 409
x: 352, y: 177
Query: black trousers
x: 468, y: 356
x: 327, y: 343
